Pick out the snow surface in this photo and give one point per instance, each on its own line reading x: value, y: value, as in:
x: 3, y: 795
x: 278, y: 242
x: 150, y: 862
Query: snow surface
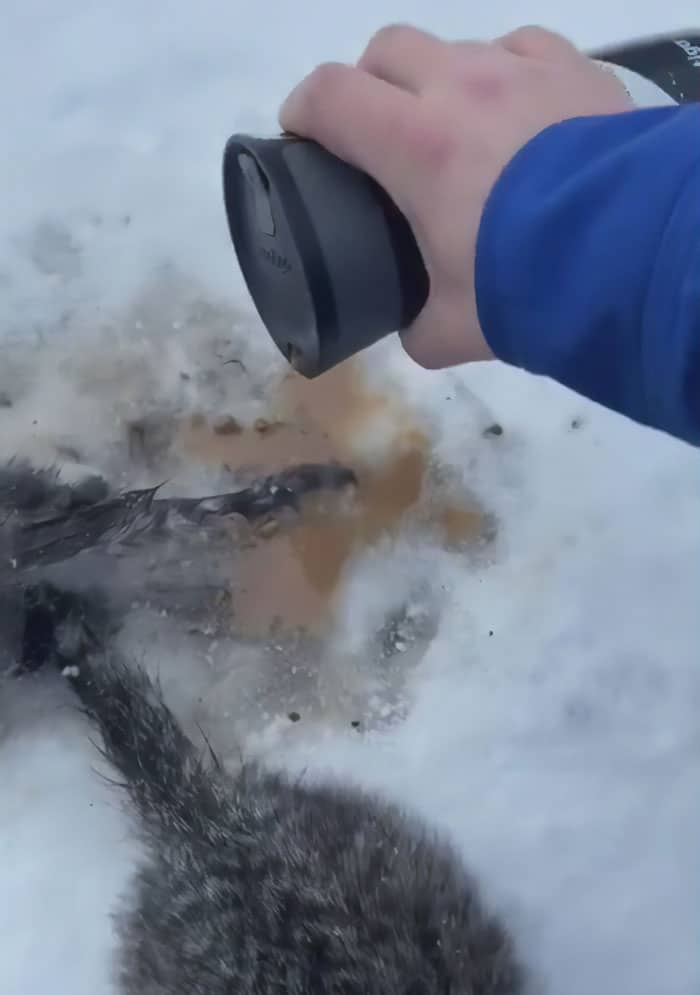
x: 552, y: 723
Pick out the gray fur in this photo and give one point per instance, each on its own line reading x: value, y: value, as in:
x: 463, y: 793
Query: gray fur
x: 259, y: 885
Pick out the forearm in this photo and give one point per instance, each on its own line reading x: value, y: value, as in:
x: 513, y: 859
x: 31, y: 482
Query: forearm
x: 588, y: 263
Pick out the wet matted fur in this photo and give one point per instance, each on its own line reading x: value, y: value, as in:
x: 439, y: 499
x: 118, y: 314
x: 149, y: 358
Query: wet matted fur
x: 256, y: 884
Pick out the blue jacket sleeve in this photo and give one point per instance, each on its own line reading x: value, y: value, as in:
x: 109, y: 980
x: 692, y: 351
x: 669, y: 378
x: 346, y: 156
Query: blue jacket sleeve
x: 588, y: 263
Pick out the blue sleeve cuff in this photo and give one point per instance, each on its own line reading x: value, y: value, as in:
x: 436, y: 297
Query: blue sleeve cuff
x: 588, y: 263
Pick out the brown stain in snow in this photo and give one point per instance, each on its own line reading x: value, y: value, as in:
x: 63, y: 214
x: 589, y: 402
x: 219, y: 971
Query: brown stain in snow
x: 289, y: 579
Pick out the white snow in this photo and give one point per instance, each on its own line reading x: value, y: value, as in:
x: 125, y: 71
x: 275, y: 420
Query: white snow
x: 552, y: 727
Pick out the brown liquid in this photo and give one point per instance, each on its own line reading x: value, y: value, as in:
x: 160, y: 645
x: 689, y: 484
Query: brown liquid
x: 291, y: 578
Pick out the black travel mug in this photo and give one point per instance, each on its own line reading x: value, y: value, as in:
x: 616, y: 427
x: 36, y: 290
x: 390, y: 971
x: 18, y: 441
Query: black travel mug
x: 330, y: 262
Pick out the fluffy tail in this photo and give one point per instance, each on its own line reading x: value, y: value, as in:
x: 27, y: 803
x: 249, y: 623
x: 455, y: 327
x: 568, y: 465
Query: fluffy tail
x: 175, y: 790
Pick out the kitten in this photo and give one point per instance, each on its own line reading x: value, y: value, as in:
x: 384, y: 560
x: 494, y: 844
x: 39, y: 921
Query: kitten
x: 256, y: 884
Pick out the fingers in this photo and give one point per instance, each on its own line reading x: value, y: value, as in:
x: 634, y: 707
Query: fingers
x: 404, y: 56
x: 361, y: 119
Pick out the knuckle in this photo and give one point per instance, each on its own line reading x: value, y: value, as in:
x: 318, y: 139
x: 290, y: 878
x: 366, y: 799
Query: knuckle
x: 483, y: 78
x: 388, y: 37
x: 329, y: 77
x: 530, y: 34
x: 321, y: 90
x: 535, y: 41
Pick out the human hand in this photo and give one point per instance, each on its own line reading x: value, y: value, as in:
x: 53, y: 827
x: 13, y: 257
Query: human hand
x: 435, y: 123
